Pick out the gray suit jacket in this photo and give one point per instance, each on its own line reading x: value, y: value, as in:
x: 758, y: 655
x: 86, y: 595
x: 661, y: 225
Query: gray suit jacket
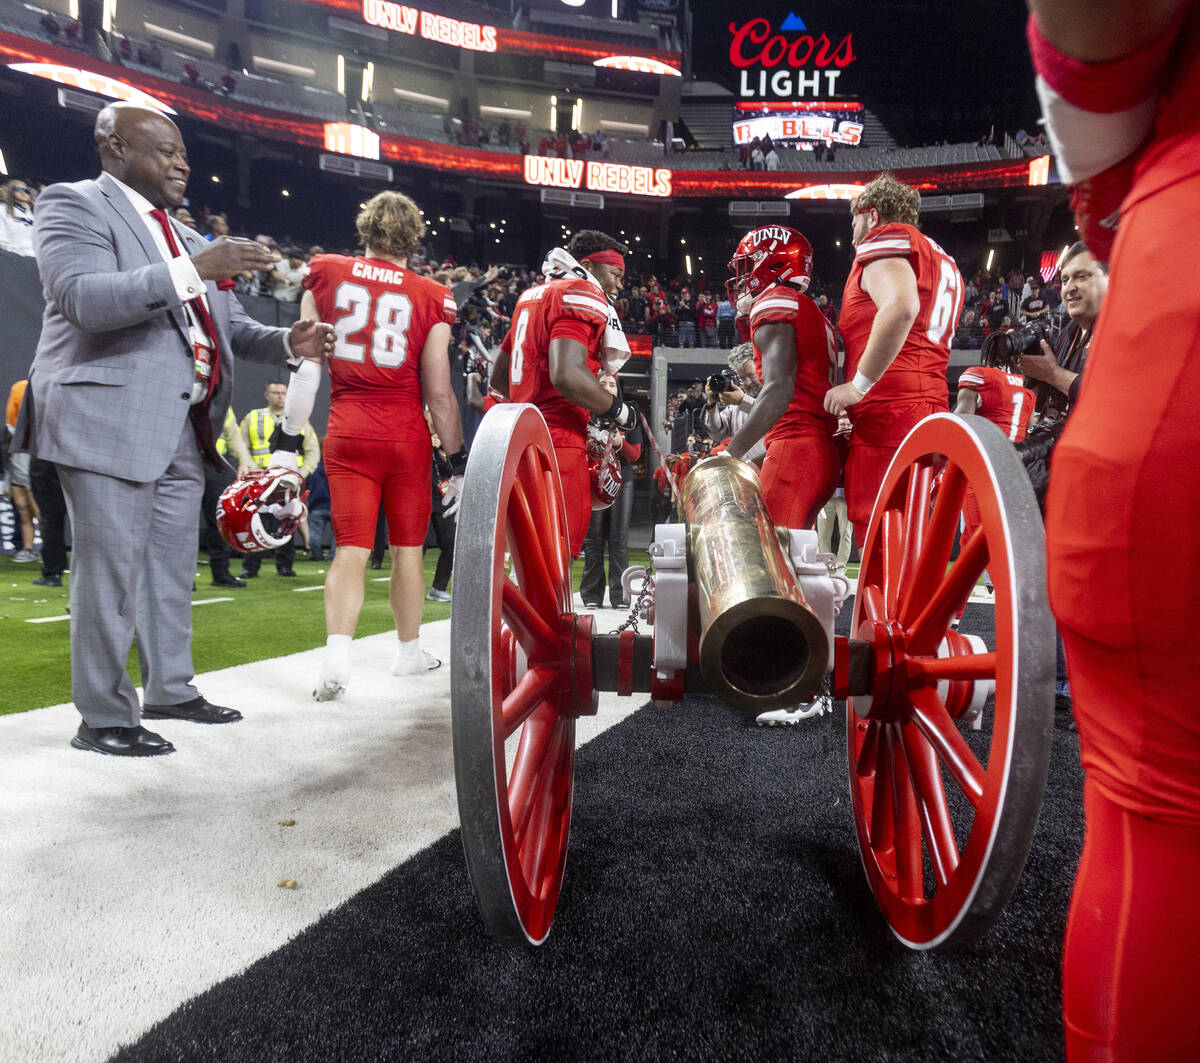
x: 113, y: 373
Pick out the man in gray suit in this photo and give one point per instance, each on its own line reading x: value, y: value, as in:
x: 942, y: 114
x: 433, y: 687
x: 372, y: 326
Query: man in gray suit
x: 131, y: 381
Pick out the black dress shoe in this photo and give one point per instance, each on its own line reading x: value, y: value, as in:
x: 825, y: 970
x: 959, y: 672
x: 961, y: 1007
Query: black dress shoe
x: 227, y: 580
x: 48, y: 581
x: 121, y: 741
x: 289, y: 573
x: 247, y: 574
x: 197, y: 710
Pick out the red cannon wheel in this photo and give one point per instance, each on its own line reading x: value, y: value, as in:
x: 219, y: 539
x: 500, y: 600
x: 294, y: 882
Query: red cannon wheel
x: 515, y: 685
x: 945, y: 815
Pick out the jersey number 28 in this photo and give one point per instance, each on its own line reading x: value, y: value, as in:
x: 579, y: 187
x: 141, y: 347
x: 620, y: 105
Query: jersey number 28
x: 389, y: 338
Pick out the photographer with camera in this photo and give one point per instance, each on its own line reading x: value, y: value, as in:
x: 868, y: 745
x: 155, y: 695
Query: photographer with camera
x: 1058, y: 369
x: 729, y: 397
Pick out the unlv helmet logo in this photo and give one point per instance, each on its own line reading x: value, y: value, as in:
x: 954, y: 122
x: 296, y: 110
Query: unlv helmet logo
x: 773, y: 254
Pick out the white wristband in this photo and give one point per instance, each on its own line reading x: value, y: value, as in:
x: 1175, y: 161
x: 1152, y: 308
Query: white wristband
x: 862, y: 383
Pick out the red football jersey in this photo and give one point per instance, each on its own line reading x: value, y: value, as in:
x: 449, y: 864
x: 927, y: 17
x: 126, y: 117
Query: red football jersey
x: 382, y: 314
x: 573, y: 309
x: 1003, y: 398
x: 919, y: 370
x: 816, y: 359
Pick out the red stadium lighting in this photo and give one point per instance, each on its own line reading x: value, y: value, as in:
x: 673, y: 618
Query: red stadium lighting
x: 636, y: 63
x: 789, y: 106
x: 100, y: 84
x: 1039, y: 170
x: 826, y: 192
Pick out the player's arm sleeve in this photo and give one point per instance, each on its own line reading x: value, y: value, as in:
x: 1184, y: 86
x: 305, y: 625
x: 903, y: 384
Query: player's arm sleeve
x: 301, y: 397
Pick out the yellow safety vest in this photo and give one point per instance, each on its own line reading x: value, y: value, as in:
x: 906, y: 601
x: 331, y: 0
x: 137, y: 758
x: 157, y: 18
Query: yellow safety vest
x: 262, y: 425
x: 222, y: 446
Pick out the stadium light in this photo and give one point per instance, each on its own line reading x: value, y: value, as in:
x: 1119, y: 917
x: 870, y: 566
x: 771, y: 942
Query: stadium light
x: 991, y: 255
x: 553, y: 114
x: 341, y: 79
x: 109, y: 17
x: 421, y: 97
x: 1062, y: 255
x: 577, y: 115
x: 3, y: 165
x: 368, y: 82
x: 687, y: 261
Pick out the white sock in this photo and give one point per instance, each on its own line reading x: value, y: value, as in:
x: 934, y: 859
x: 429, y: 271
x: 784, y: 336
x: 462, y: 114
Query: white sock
x: 335, y: 668
x: 410, y: 659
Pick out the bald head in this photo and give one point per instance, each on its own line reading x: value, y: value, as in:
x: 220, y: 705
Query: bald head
x: 143, y: 149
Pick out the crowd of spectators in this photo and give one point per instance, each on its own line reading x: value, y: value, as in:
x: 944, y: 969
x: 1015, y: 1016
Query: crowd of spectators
x: 1002, y: 303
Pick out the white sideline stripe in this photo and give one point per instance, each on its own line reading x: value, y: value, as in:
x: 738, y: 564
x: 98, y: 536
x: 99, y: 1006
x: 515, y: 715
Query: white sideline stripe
x: 46, y: 619
x: 368, y: 779
x: 380, y: 579
x: 305, y: 590
x: 210, y: 601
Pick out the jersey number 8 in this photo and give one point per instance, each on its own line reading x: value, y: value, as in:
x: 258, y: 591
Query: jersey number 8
x: 389, y: 338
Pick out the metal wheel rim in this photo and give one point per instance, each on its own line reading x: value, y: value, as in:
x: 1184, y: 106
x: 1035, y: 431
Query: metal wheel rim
x: 966, y: 899
x: 512, y: 458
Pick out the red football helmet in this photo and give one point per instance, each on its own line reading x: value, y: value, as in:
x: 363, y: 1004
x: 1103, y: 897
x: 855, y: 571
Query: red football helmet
x: 772, y: 254
x: 277, y: 493
x: 604, y: 471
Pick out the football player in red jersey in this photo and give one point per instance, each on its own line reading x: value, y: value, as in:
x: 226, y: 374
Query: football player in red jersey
x: 390, y: 360
x: 1120, y: 89
x: 795, y: 354
x: 899, y: 311
x: 561, y: 335
x: 996, y: 389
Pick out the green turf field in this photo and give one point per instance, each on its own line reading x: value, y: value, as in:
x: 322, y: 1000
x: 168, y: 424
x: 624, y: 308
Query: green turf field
x: 271, y: 617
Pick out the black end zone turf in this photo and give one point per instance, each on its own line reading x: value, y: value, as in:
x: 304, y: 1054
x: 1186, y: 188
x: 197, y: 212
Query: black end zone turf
x: 714, y: 908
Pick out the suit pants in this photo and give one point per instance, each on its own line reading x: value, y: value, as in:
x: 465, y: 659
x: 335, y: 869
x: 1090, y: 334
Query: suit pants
x: 608, y: 526
x: 132, y: 564
x: 48, y: 493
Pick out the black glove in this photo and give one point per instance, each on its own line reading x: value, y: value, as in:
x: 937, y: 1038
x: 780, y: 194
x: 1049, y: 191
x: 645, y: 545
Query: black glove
x: 625, y: 415
x: 280, y: 440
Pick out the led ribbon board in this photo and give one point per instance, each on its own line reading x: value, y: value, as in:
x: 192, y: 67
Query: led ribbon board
x: 596, y: 176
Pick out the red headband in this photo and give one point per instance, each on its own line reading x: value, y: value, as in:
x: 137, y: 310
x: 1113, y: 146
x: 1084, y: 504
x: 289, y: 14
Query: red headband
x: 606, y: 258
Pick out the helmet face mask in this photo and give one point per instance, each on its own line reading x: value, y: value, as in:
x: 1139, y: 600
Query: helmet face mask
x: 773, y: 254
x: 276, y: 494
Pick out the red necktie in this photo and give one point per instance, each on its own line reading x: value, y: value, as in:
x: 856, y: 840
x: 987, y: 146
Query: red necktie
x: 197, y: 306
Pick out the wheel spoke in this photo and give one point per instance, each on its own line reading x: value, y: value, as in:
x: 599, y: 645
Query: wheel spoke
x: 916, y: 516
x: 528, y: 628
x: 949, y: 598
x: 535, y: 685
x: 938, y: 541
x: 922, y: 670
x: 531, y: 754
x: 893, y: 558
x: 537, y: 488
x: 533, y: 845
x: 882, y: 820
x: 864, y: 766
x: 931, y: 801
x: 930, y: 715
x: 909, y: 865
x: 529, y: 559
x: 872, y: 601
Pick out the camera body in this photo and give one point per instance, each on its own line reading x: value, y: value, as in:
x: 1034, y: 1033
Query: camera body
x: 722, y: 381
x: 1002, y: 350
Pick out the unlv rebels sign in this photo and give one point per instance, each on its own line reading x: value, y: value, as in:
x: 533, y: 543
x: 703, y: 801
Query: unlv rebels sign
x: 790, y: 63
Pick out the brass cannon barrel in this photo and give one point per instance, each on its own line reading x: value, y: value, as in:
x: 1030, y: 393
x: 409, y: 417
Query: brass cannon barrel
x: 761, y: 646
